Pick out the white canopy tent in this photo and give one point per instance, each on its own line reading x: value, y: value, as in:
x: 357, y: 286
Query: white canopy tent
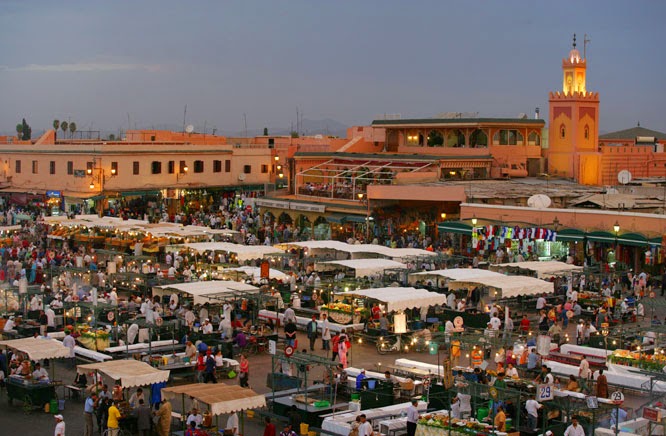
x: 38, y: 349
x: 357, y: 251
x: 400, y: 298
x: 255, y: 273
x: 242, y: 252
x: 507, y: 286
x: 457, y: 274
x: 221, y: 398
x: 202, y: 292
x: 130, y: 372
x: 542, y: 269
x: 362, y: 267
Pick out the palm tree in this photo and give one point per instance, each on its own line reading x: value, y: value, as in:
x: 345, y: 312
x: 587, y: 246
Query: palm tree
x: 72, y: 128
x: 56, y: 125
x: 63, y: 126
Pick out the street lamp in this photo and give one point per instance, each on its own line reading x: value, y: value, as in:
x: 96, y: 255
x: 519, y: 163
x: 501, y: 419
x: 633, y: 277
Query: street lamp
x: 474, y: 220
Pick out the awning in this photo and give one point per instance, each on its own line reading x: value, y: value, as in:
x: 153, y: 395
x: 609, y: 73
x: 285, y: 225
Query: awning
x: 138, y: 193
x: 38, y: 349
x: 401, y: 298
x: 455, y: 227
x: 362, y: 267
x: 632, y: 239
x: 509, y: 286
x: 130, y: 372
x: 354, y: 219
x: 570, y: 235
x: 221, y: 398
x: 337, y: 218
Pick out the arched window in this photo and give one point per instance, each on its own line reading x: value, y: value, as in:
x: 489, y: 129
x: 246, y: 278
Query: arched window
x: 455, y: 139
x: 533, y: 139
x: 413, y: 137
x: 435, y: 139
x: 478, y: 139
x: 587, y: 132
x: 563, y: 131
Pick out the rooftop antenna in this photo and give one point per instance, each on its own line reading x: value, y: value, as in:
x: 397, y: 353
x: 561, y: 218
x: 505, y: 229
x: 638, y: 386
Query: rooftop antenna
x: 245, y: 123
x: 585, y: 41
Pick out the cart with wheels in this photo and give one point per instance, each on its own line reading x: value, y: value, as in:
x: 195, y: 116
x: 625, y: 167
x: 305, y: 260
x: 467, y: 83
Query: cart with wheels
x: 32, y: 395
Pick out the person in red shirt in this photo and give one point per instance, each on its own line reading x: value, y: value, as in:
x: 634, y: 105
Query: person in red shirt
x: 525, y: 324
x: 269, y: 430
x: 376, y: 311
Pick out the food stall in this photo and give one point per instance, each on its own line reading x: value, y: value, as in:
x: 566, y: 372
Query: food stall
x: 237, y: 253
x: 34, y: 393
x: 220, y: 399
x: 541, y: 270
x: 361, y: 267
x: 337, y: 250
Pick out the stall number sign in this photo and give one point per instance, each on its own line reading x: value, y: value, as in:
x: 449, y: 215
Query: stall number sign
x: 272, y: 347
x: 544, y: 392
x: 617, y: 397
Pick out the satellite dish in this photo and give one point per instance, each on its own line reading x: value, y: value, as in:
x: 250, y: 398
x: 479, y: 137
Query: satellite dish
x: 189, y: 128
x: 610, y: 191
x: 624, y: 177
x: 539, y: 201
x: 241, y: 177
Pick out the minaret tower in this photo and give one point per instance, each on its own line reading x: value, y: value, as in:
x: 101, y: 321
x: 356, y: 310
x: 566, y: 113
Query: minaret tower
x: 573, y: 128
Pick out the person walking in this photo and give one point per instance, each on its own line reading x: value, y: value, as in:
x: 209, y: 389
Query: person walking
x: 325, y: 333
x: 602, y: 385
x: 269, y: 429
x: 210, y: 366
x: 342, y: 350
x: 244, y: 375
x: 112, y: 421
x: 311, y: 329
x: 164, y: 419
x: 532, y: 407
x: 584, y: 374
x: 88, y: 412
x: 60, y: 426
x: 290, y: 333
x: 335, y: 345
x: 412, y: 418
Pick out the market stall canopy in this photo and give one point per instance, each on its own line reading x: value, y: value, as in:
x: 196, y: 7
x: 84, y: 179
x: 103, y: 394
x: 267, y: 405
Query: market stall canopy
x: 508, y: 286
x: 221, y: 398
x: 130, y: 372
x: 542, y: 269
x: 209, y: 291
x: 243, y: 252
x: 255, y: 273
x: 458, y: 273
x: 401, y: 298
x: 38, y: 349
x: 358, y: 251
x: 363, y: 267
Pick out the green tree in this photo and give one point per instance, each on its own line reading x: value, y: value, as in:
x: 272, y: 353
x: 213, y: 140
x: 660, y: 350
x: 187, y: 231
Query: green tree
x: 72, y: 128
x: 56, y: 126
x: 64, y: 126
x: 265, y: 131
x: 112, y: 137
x: 26, y: 131
x: 294, y: 134
x: 19, y: 131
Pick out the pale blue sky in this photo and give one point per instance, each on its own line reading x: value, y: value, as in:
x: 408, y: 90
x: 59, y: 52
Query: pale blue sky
x: 95, y: 61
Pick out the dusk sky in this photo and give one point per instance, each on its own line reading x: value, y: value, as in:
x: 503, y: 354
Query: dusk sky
x: 94, y: 62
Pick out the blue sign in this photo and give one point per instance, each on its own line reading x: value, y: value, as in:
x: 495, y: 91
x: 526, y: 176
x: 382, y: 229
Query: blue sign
x: 53, y: 194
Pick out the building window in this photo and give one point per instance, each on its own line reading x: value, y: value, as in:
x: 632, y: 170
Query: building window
x: 533, y: 139
x: 247, y: 169
x: 18, y: 167
x: 182, y: 167
x: 35, y: 167
x: 508, y: 137
x: 171, y: 167
x: 70, y: 168
x: 114, y: 168
x: 217, y: 166
x: 227, y: 166
x: 587, y: 132
x: 156, y: 167
x: 264, y: 169
x: 52, y: 167
x: 198, y: 166
x: 563, y: 131
x: 135, y: 168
